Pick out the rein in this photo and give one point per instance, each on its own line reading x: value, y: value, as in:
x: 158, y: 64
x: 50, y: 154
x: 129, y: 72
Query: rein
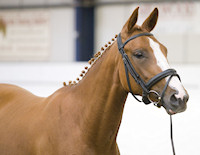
x: 146, y: 86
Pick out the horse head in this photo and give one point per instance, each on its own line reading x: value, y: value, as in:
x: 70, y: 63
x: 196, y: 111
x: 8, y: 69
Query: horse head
x: 148, y: 58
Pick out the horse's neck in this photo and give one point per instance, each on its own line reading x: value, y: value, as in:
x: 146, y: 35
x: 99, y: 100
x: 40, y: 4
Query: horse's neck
x: 102, y: 99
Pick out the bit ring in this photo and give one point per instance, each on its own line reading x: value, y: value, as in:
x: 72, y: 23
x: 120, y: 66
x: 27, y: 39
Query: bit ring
x: 158, y: 97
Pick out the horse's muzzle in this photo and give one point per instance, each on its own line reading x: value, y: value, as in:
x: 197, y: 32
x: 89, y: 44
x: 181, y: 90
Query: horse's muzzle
x: 175, y: 105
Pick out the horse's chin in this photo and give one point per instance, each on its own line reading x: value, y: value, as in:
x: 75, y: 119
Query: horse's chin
x: 172, y: 111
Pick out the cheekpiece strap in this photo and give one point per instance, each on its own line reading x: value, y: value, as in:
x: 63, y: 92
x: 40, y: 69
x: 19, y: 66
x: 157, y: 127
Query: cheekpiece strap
x: 128, y: 65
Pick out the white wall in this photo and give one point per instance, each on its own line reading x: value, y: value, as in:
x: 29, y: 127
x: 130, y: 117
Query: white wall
x: 63, y: 34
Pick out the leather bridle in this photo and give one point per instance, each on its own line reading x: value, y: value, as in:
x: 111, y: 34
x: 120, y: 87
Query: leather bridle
x: 146, y: 86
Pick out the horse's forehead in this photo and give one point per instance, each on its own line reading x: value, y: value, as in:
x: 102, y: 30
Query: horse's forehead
x: 141, y: 42
x: 153, y: 44
x: 158, y: 54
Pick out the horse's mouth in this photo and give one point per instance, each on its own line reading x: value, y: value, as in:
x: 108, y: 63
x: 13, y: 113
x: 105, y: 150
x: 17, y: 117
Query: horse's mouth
x: 172, y: 111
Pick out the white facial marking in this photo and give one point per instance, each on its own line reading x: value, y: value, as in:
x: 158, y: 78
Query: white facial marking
x: 164, y: 65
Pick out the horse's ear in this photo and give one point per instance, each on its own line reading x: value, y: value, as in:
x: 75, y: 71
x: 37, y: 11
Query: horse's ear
x: 151, y: 21
x: 132, y: 20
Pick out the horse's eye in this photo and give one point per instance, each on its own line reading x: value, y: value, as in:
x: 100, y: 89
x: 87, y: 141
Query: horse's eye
x: 139, y: 55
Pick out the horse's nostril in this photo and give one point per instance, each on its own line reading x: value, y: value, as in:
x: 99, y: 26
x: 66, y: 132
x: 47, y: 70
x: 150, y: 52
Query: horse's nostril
x: 173, y: 98
x: 185, y: 98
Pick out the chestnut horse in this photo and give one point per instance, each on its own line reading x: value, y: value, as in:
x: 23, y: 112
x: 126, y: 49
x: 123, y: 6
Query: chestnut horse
x: 84, y: 118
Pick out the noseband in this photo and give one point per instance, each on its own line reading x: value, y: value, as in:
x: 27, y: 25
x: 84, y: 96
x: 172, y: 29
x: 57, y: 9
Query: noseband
x: 146, y: 86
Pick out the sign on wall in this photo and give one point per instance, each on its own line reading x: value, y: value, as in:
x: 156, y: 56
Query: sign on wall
x: 174, y: 17
x: 27, y: 35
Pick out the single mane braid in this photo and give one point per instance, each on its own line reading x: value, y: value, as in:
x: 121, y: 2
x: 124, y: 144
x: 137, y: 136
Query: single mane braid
x: 91, y: 62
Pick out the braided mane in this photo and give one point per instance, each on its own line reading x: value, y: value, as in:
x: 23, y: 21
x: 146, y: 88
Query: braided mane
x: 91, y: 63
